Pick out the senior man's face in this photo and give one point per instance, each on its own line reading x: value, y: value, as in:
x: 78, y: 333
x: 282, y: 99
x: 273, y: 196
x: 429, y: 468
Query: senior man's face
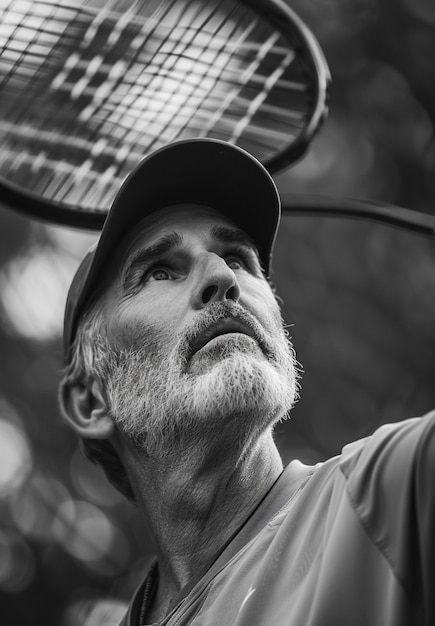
x: 195, y: 344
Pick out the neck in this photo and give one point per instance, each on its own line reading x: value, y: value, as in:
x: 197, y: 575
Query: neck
x: 194, y: 501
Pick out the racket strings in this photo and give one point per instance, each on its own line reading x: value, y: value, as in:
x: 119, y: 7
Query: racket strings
x: 118, y: 76
x: 184, y: 48
x: 85, y: 94
x: 203, y: 92
x: 89, y: 66
x: 192, y: 80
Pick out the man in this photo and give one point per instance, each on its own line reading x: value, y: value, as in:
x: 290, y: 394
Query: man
x: 178, y: 368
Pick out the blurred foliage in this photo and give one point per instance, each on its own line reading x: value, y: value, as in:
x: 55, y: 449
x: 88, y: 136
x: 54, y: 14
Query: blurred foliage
x: 360, y: 298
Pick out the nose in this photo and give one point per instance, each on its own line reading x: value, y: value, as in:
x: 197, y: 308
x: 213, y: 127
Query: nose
x: 216, y: 282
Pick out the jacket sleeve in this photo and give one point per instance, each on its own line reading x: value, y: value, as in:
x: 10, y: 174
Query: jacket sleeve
x: 390, y: 480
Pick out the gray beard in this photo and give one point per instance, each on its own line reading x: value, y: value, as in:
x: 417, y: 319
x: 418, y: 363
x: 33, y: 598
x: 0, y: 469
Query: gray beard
x: 162, y: 404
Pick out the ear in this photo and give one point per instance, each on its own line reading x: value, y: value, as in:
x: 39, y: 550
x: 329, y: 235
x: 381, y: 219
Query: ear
x: 84, y: 409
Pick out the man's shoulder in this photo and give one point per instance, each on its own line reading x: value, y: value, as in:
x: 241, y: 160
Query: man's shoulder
x: 404, y: 439
x: 390, y: 472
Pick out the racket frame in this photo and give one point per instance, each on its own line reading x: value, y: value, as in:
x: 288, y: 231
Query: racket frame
x: 283, y: 19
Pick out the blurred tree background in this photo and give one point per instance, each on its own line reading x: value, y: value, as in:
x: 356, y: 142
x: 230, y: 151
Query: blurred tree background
x: 360, y: 298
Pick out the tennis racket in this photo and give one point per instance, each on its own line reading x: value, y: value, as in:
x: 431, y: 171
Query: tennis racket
x: 391, y: 215
x: 89, y: 87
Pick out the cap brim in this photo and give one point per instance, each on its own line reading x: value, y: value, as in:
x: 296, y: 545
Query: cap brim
x: 201, y: 171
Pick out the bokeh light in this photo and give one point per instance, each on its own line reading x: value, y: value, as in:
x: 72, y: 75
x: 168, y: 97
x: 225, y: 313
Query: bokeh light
x: 88, y: 534
x: 34, y: 509
x: 101, y: 612
x: 32, y: 291
x: 17, y: 563
x: 15, y: 454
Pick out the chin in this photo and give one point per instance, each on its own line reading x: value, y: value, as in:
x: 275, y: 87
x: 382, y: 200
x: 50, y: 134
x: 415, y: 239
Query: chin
x: 244, y: 384
x: 234, y: 394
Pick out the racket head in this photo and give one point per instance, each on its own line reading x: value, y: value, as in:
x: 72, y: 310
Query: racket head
x: 88, y: 89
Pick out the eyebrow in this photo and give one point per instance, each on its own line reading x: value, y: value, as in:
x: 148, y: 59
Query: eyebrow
x: 162, y: 246
x: 224, y: 234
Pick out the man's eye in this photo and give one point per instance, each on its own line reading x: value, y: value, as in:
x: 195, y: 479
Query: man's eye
x: 159, y: 273
x: 234, y: 263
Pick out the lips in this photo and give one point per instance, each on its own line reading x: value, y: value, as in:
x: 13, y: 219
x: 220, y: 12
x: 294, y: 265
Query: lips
x: 222, y: 327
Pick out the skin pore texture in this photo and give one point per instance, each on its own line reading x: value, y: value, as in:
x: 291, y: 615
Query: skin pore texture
x: 196, y: 372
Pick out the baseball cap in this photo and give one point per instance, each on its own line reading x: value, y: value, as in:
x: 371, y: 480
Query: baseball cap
x: 202, y: 171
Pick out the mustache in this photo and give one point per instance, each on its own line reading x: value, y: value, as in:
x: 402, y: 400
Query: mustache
x: 214, y: 313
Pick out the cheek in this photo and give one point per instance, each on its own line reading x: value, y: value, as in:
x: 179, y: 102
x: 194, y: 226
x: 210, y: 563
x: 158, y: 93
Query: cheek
x: 265, y: 306
x: 125, y: 332
x: 131, y: 327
